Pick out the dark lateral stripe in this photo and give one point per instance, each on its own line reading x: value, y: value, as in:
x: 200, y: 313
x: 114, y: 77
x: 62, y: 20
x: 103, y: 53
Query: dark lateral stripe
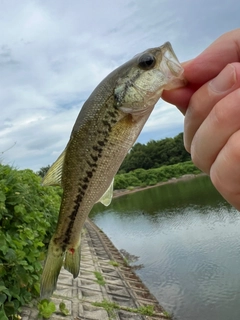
x: 91, y: 164
x: 73, y: 215
x: 81, y: 192
x: 89, y: 174
x: 107, y: 124
x: 98, y: 149
x: 95, y: 158
x: 83, y: 185
x: 101, y: 143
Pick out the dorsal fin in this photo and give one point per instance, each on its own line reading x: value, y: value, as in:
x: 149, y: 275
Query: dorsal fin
x: 54, y: 175
x: 107, y: 196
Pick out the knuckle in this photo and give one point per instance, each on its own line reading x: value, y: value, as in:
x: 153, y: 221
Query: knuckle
x: 199, y: 159
x: 218, y: 114
x: 232, y: 148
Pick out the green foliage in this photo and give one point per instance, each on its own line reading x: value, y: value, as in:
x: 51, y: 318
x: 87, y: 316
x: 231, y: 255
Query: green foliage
x: 63, y: 308
x: 46, y: 308
x: 111, y: 306
x: 100, y: 280
x: 43, y: 171
x: 28, y: 214
x: 147, y: 310
x: 166, y: 314
x: 108, y: 306
x: 114, y: 263
x: 124, y: 181
x: 142, y: 178
x: 155, y: 154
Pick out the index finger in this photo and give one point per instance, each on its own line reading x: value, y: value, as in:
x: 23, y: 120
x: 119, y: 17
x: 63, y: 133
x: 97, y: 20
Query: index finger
x: 206, y: 66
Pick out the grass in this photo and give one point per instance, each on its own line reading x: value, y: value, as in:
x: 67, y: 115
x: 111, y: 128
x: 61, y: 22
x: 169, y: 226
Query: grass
x: 114, y: 263
x: 147, y: 310
x: 100, y: 280
x: 109, y: 306
x: 167, y: 314
x: 126, y: 262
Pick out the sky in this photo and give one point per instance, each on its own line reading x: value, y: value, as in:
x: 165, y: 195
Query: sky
x: 53, y: 53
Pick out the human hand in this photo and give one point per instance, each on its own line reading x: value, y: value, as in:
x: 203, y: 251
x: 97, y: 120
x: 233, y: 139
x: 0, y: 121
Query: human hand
x: 211, y: 104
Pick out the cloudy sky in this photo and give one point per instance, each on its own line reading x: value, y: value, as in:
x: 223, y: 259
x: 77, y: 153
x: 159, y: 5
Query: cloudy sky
x: 53, y: 53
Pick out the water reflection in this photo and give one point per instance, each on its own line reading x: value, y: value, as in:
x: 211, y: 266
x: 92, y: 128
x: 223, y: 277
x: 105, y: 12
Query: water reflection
x: 187, y: 238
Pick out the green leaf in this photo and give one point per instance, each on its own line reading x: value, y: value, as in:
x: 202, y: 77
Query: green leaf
x: 2, y: 288
x: 3, y: 314
x: 3, y: 298
x: 10, y: 255
x: 2, y: 239
x: 2, y: 270
x: 63, y: 309
x: 15, y: 291
x: 37, y: 287
x: 5, y: 290
x: 20, y: 208
x: 2, y: 197
x: 9, y: 308
x: 46, y: 308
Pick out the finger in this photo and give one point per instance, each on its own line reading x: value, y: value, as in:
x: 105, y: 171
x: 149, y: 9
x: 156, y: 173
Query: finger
x: 180, y: 97
x: 203, y: 100
x: 225, y: 171
x: 226, y: 49
x: 221, y: 123
x: 204, y: 67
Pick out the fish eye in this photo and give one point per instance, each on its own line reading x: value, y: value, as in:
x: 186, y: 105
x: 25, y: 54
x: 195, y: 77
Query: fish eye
x: 147, y: 61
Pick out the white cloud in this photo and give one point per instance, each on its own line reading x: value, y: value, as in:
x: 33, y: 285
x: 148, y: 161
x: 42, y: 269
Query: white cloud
x: 53, y: 53
x: 164, y: 115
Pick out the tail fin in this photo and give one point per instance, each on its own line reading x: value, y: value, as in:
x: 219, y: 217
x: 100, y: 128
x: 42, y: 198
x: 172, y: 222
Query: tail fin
x: 72, y: 261
x: 51, y: 270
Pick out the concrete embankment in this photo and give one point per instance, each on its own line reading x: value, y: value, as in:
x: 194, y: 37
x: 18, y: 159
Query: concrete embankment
x: 105, y: 289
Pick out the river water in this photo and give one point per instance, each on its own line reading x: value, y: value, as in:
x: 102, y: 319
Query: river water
x: 186, y: 238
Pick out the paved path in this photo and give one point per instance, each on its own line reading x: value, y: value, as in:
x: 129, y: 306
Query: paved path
x: 121, y: 286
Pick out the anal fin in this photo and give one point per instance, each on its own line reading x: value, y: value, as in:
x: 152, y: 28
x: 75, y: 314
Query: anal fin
x: 72, y: 261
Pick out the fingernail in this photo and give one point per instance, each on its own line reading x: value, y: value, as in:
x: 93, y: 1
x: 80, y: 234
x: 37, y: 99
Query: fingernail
x: 225, y: 80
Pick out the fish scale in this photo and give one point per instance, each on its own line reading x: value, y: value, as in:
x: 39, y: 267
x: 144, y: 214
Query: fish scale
x: 106, y: 128
x: 92, y: 162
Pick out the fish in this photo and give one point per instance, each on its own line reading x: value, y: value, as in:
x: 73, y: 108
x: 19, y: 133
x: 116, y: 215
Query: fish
x: 106, y: 128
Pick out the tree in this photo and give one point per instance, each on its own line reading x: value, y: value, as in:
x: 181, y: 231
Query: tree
x: 155, y: 154
x: 43, y: 171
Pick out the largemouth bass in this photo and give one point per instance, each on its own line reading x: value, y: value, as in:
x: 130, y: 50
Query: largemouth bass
x: 106, y: 128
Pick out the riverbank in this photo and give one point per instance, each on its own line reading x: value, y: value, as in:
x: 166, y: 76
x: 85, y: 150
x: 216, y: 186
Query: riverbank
x: 106, y: 288
x: 123, y: 192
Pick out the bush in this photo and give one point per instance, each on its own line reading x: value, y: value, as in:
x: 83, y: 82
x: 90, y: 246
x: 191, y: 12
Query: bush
x: 142, y: 178
x: 125, y: 180
x: 155, y: 154
x: 28, y: 214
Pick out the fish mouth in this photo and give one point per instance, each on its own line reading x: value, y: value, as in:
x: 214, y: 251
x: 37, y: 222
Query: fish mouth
x: 172, y: 68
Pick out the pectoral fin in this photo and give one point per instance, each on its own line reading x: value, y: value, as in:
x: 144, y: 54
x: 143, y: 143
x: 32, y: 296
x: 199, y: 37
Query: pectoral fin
x: 54, y: 175
x: 107, y: 196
